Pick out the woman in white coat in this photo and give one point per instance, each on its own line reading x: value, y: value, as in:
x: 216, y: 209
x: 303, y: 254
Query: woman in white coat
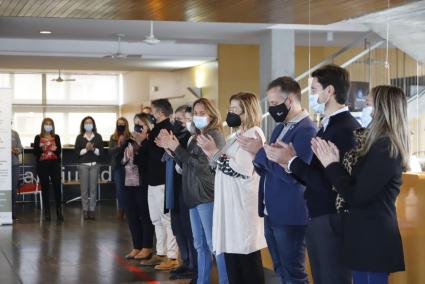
x: 238, y: 231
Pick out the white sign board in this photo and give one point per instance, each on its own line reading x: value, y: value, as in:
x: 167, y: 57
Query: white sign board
x: 5, y: 157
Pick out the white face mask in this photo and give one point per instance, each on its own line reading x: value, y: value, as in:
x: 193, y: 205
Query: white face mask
x: 315, y: 105
x: 200, y: 121
x: 366, y: 116
x: 189, y: 126
x: 48, y: 128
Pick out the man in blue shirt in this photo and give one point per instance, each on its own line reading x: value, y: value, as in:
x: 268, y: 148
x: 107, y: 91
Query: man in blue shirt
x: 281, y: 196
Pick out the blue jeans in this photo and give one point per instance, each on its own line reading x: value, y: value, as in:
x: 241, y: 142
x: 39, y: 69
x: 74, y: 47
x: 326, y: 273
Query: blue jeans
x: 287, y: 249
x: 201, y: 219
x: 118, y: 176
x: 362, y: 277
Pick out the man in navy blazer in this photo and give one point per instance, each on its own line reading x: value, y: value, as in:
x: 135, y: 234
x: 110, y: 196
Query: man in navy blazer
x: 281, y: 196
x: 323, y: 236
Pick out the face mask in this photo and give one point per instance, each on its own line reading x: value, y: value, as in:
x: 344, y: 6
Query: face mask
x: 315, y: 105
x: 48, y: 128
x: 120, y: 128
x: 366, y: 116
x: 138, y: 128
x: 233, y: 120
x: 279, y: 112
x: 88, y: 127
x: 178, y: 124
x: 189, y: 126
x: 152, y: 119
x: 200, y: 121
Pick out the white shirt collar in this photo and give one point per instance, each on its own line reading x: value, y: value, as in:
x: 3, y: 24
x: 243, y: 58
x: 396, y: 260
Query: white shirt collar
x: 325, y: 120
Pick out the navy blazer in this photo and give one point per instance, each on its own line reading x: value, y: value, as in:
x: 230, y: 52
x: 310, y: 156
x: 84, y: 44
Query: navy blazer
x: 284, y: 195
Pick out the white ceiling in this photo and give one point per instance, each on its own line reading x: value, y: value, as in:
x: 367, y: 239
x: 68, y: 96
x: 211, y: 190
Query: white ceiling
x: 406, y: 26
x: 195, y: 42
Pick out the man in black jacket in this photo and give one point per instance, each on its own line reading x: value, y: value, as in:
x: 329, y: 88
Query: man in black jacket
x: 323, y: 237
x: 166, y: 246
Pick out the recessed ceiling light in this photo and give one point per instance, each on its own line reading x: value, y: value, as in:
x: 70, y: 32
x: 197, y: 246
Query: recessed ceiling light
x: 45, y: 32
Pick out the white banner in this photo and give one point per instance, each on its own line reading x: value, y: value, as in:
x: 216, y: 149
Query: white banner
x: 5, y: 157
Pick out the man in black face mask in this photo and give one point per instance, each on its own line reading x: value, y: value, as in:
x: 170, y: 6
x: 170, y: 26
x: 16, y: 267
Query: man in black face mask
x: 281, y: 197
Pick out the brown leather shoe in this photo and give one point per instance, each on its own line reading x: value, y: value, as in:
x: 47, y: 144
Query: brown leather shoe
x: 154, y: 260
x: 167, y: 264
x: 132, y: 254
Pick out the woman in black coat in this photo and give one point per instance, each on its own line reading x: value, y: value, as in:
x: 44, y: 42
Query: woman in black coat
x: 47, y: 151
x: 368, y: 182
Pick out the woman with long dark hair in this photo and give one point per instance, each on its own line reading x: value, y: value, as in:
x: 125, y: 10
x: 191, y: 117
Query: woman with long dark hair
x: 47, y: 150
x: 88, y: 148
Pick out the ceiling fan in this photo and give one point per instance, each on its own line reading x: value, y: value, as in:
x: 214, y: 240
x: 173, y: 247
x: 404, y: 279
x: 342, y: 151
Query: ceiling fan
x: 118, y: 54
x: 59, y: 79
x: 152, y: 40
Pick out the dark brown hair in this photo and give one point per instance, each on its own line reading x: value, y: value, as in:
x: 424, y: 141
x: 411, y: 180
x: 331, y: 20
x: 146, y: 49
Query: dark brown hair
x: 82, y: 130
x: 335, y: 76
x: 287, y: 85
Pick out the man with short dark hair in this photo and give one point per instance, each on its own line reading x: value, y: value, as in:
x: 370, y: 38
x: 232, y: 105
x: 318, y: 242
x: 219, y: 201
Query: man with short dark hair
x: 281, y: 200
x: 323, y: 236
x: 166, y: 246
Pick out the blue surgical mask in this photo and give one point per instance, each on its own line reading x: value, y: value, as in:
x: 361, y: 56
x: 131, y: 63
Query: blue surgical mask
x: 189, y: 126
x: 315, y: 105
x: 48, y: 128
x: 200, y: 121
x: 88, y: 127
x: 366, y: 117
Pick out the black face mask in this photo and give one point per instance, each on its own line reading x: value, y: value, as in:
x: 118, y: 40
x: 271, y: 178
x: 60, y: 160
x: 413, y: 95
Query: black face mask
x: 138, y: 128
x: 120, y: 128
x: 233, y: 120
x: 279, y: 112
x: 152, y: 119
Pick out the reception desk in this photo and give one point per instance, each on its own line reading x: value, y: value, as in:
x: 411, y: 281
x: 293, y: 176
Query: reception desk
x: 411, y: 217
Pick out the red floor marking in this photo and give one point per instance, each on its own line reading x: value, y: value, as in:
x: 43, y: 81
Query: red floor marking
x: 134, y: 269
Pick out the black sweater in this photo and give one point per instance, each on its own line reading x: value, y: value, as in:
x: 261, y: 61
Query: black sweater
x: 90, y: 156
x: 372, y: 239
x: 151, y: 155
x: 319, y: 194
x: 38, y: 151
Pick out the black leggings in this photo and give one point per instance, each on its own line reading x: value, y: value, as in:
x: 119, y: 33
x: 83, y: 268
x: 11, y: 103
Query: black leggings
x: 244, y: 268
x: 50, y: 171
x: 139, y: 222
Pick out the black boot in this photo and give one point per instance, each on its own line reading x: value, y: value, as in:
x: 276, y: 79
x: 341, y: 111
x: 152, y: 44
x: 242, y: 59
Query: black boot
x: 47, y: 215
x: 59, y: 214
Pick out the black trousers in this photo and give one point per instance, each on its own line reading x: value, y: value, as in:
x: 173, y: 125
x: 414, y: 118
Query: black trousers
x: 324, y: 246
x: 245, y: 268
x: 50, y: 171
x: 139, y: 222
x: 182, y: 230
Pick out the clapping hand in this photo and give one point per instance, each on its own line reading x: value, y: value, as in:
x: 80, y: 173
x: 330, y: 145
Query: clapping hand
x: 207, y: 144
x: 251, y: 145
x: 325, y: 151
x: 280, y: 152
x: 167, y: 140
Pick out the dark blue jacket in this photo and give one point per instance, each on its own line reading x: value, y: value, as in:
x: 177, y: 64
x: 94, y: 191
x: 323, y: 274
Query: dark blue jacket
x: 284, y: 195
x: 319, y: 194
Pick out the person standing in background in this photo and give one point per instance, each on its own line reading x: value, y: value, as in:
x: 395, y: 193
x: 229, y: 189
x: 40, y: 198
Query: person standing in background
x: 166, y: 245
x: 116, y: 146
x: 88, y: 148
x: 180, y: 219
x: 47, y: 151
x: 16, y: 151
x: 136, y: 189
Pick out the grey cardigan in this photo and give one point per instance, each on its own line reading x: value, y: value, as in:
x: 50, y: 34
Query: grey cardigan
x: 198, y: 176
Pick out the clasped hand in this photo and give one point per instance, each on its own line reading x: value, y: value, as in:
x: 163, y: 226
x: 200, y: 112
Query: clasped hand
x: 325, y: 151
x: 167, y: 140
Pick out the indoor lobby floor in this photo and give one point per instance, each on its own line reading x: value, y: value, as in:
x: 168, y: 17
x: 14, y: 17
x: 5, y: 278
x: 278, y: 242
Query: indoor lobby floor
x: 76, y: 251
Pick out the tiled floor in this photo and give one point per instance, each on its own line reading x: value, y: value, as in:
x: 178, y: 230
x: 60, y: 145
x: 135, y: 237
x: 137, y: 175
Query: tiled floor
x: 32, y: 251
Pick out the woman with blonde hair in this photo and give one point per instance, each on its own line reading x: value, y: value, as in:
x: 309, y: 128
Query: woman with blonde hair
x: 198, y: 184
x: 238, y: 231
x: 47, y: 150
x: 116, y: 147
x: 368, y: 182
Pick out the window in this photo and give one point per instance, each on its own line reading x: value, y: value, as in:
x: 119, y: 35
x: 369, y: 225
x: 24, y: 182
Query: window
x: 27, y: 88
x: 27, y: 123
x: 5, y: 81
x: 86, y: 89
